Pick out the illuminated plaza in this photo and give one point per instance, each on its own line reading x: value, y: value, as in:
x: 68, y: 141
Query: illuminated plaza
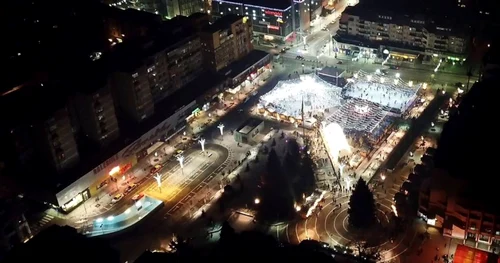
x: 350, y: 120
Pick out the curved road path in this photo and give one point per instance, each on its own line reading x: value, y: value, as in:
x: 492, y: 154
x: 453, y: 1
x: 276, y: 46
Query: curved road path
x: 330, y: 225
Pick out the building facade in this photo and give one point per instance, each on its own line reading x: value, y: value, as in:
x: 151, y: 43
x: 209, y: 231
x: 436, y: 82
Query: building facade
x: 274, y: 20
x: 58, y: 141
x: 225, y: 41
x: 184, y: 7
x: 95, y: 111
x: 89, y: 184
x: 14, y: 228
x: 131, y: 89
x: 443, y: 203
x: 373, y: 27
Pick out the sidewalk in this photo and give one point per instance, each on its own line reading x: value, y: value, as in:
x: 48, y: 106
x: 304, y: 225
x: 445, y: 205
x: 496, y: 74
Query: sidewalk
x: 101, y: 202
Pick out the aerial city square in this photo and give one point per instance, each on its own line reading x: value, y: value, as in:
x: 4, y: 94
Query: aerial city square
x: 180, y: 130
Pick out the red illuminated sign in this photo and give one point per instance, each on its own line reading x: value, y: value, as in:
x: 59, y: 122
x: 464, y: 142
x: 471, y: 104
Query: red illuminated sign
x: 273, y: 27
x: 273, y: 13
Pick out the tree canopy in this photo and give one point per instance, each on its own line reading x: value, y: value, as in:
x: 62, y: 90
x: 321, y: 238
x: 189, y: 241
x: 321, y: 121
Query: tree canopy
x: 362, y: 209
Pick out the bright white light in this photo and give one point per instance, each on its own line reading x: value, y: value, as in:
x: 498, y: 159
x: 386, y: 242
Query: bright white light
x: 221, y: 128
x: 99, y: 220
x: 335, y: 140
x: 398, y: 75
x: 127, y: 211
x: 138, y: 204
x: 202, y: 143
x: 382, y: 80
x: 110, y: 218
x: 377, y: 71
x: 310, y: 93
x: 369, y: 77
x: 256, y: 201
x: 410, y: 83
x: 180, y: 159
x: 158, y: 179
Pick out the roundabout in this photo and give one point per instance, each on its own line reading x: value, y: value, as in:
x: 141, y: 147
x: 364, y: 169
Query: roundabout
x: 330, y: 225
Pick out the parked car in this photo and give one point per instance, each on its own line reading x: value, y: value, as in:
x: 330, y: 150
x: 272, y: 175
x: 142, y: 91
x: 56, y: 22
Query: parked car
x: 137, y: 197
x: 117, y: 198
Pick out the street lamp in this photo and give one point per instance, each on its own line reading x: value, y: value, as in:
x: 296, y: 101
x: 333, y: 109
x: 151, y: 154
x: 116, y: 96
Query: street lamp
x: 202, y: 143
x: 221, y: 128
x: 180, y: 158
x: 158, y: 180
x: 256, y: 201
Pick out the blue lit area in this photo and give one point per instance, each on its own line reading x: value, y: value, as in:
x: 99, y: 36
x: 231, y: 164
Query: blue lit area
x: 131, y: 216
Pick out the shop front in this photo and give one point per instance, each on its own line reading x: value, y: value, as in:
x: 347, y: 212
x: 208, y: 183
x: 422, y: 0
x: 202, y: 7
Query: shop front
x: 119, y: 167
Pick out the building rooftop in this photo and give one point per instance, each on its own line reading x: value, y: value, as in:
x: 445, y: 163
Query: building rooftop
x: 222, y: 23
x: 235, y: 68
x: 249, y: 125
x: 277, y: 4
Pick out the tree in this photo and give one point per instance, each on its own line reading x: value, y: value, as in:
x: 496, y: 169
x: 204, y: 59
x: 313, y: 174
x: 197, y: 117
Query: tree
x: 276, y: 195
x: 362, y: 207
x: 307, y: 179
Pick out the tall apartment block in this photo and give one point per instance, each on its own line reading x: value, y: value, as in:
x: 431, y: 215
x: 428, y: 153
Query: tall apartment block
x: 95, y: 109
x: 410, y: 31
x: 225, y: 41
x: 132, y: 91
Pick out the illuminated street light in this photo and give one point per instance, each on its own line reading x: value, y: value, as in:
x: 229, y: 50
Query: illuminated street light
x: 382, y: 177
x: 256, y: 201
x: 202, y: 143
x: 298, y: 208
x: 432, y: 124
x: 180, y: 158
x: 158, y: 180
x: 221, y: 128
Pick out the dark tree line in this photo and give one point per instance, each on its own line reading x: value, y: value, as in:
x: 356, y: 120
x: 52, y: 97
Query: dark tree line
x: 286, y: 183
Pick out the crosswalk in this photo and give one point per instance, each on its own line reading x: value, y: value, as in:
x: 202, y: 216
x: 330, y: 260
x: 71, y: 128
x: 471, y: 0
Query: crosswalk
x: 44, y: 222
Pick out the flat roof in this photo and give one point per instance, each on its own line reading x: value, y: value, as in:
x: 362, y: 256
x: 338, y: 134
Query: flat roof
x: 332, y: 72
x: 222, y: 23
x: 278, y: 4
x: 236, y: 68
x: 249, y: 125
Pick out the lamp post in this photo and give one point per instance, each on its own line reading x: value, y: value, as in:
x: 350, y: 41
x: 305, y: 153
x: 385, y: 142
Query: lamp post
x: 158, y: 181
x: 202, y: 143
x: 221, y: 128
x: 180, y: 158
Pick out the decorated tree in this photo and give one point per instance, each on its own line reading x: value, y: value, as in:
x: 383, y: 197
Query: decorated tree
x: 362, y: 207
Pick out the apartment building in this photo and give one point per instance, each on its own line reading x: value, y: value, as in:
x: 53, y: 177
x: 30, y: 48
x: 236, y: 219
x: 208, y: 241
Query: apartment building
x: 185, y: 7
x: 14, y: 228
x: 225, y: 41
x: 449, y: 203
x: 95, y: 109
x: 414, y: 32
x: 271, y: 20
x: 131, y: 89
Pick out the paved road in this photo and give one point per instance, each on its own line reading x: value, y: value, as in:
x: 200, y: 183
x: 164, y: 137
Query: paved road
x: 163, y: 223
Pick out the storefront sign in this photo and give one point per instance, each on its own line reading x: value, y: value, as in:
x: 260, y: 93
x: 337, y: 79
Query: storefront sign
x: 273, y: 13
x: 105, y: 164
x: 273, y: 27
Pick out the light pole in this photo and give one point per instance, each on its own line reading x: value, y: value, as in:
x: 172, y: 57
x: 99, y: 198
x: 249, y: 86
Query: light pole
x: 180, y: 158
x: 202, y: 143
x: 158, y: 180
x: 221, y: 129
